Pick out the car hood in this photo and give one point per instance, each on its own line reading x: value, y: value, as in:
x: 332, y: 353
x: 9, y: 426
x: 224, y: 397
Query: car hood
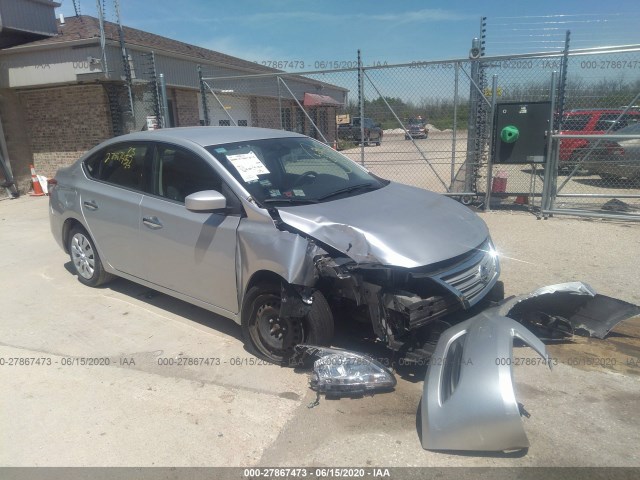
x: 396, y: 225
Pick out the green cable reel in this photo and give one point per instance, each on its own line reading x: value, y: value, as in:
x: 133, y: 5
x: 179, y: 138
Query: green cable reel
x: 509, y: 134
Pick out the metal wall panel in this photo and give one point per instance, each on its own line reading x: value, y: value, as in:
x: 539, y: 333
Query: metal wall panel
x: 31, y: 16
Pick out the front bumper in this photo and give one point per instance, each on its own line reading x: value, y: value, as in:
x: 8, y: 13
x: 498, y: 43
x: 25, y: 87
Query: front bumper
x: 468, y: 401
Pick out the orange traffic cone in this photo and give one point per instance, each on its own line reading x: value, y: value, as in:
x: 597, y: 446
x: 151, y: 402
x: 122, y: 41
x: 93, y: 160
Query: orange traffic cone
x: 37, y: 188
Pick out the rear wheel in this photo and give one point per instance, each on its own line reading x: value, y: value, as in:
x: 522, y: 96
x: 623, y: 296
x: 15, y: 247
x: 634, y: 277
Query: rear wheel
x: 273, y: 337
x: 85, y: 259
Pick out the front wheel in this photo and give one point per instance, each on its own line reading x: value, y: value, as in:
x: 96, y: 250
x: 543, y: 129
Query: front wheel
x: 85, y: 259
x: 274, y: 338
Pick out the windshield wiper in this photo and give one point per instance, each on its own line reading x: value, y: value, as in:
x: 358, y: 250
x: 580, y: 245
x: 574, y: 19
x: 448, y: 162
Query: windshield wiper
x: 289, y: 200
x: 347, y: 190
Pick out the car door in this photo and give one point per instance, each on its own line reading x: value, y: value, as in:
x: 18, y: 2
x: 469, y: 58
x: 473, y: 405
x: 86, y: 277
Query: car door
x: 193, y: 253
x: 110, y: 202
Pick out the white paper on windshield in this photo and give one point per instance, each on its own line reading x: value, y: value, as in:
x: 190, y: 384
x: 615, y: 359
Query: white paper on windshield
x: 248, y: 166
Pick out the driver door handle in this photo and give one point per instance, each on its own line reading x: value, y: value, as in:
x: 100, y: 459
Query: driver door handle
x: 91, y: 205
x: 152, y: 222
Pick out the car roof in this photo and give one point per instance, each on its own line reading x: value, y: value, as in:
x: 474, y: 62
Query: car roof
x: 206, y: 136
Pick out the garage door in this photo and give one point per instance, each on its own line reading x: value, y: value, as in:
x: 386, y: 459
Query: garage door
x: 238, y: 107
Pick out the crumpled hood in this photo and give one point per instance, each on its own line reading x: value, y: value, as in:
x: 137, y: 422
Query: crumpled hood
x: 396, y: 225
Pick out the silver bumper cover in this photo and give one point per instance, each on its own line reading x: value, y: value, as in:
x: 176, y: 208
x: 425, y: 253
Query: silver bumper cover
x: 468, y: 401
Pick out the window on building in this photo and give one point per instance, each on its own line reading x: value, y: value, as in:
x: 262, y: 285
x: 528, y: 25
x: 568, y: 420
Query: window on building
x: 243, y: 123
x: 124, y: 165
x: 224, y: 123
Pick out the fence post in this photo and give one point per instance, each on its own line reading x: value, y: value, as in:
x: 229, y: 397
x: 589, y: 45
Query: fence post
x: 472, y: 128
x: 166, y: 121
x: 546, y: 187
x: 563, y: 79
x: 203, y: 95
x: 361, y: 106
x: 455, y: 124
x: 155, y: 91
x: 494, y: 96
x: 279, y: 102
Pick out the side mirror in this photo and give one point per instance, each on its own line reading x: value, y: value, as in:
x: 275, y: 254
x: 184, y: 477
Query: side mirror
x: 204, y: 201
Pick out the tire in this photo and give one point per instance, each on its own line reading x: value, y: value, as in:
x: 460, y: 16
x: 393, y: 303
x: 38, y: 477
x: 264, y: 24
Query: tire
x: 85, y: 259
x: 379, y: 142
x: 261, y: 324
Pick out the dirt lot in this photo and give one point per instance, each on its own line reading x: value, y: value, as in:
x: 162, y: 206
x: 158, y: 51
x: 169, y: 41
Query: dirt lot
x: 137, y: 412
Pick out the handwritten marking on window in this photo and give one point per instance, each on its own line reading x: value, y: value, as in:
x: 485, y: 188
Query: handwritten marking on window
x: 125, y: 158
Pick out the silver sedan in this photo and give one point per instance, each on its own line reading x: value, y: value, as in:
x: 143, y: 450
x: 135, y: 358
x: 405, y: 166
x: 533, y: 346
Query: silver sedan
x: 273, y: 230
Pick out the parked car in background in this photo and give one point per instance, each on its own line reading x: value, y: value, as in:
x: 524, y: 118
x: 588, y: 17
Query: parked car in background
x: 616, y: 159
x: 271, y: 229
x: 589, y: 122
x: 416, y: 128
x: 351, y: 131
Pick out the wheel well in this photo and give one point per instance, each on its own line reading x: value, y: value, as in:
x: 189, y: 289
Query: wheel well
x: 263, y: 276
x: 66, y: 229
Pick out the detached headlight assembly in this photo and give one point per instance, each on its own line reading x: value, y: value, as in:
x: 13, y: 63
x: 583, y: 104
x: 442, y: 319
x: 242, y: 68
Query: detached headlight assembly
x: 341, y: 372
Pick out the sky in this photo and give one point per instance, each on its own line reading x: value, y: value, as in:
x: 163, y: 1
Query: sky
x: 304, y: 33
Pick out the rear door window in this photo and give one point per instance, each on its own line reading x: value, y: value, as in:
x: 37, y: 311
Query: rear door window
x: 124, y: 165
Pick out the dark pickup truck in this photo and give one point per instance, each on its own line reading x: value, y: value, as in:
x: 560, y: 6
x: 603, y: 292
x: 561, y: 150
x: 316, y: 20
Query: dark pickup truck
x: 351, y: 131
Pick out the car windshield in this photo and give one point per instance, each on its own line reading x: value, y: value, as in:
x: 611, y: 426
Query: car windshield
x: 295, y: 170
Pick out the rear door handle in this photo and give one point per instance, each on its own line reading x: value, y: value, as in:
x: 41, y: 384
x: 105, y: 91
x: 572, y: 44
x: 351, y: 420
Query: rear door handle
x: 91, y: 205
x: 152, y: 222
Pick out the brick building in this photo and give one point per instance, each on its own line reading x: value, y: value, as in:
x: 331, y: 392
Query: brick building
x: 62, y: 94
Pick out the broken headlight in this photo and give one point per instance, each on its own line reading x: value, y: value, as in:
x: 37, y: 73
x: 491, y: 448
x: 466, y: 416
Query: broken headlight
x: 340, y: 372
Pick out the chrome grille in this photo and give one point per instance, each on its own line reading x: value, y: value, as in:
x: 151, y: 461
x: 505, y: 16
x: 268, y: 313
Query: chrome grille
x: 471, y: 280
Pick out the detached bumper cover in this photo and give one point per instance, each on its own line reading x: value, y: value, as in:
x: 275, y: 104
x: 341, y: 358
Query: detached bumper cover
x: 468, y: 401
x: 575, y: 304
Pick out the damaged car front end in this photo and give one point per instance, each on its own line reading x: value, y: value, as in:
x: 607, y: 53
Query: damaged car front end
x: 322, y: 229
x: 399, y: 272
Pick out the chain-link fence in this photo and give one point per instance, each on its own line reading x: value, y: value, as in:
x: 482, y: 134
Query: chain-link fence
x: 431, y: 124
x: 415, y: 116
x: 599, y: 167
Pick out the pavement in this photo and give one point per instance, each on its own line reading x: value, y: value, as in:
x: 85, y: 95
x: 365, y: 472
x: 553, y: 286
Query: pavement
x: 171, y: 384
